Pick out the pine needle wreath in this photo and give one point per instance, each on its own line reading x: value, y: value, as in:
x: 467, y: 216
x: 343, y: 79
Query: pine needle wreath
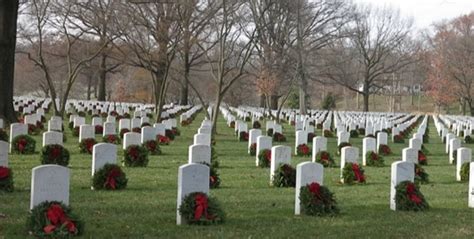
x: 342, y: 145
x: 328, y: 133
x: 256, y: 125
x: 87, y: 145
x: 253, y: 149
x: 303, y: 150
x: 23, y: 144
x: 111, y: 139
x: 465, y: 172
x: 324, y: 158
x: 398, y: 139
x: 317, y: 200
x: 109, y: 177
x: 214, y: 178
x: 123, y: 132
x: 374, y: 159
x: 421, y: 176
x: 422, y: 159
x: 353, y: 173
x: 354, y: 133
x: 270, y: 132
x: 284, y: 176
x: 55, y: 154
x: 243, y: 136
x: 409, y: 198
x: 384, y: 150
x: 169, y: 134
x: 6, y: 179
x: 135, y: 156
x: 199, y: 209
x: 163, y: 140
x: 278, y: 137
x: 152, y: 147
x: 3, y: 135
x: 468, y: 139
x: 54, y: 220
x: 99, y: 129
x: 264, y: 158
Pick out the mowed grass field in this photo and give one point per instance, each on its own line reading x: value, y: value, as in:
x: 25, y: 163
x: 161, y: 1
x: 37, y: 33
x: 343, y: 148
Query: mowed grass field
x: 147, y: 207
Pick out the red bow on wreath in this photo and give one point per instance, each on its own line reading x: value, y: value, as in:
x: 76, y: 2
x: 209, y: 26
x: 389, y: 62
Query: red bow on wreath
x: 4, y: 172
x: 324, y: 156
x: 133, y: 153
x: 201, y: 206
x: 412, y: 193
x: 110, y: 182
x: 22, y: 144
x: 315, y: 188
x: 268, y: 155
x: 55, y: 152
x: 57, y: 217
x: 358, y: 175
x: 421, y: 156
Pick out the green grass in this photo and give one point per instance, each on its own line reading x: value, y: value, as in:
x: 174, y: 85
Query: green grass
x: 147, y: 208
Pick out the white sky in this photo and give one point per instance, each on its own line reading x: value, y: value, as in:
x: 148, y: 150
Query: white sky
x: 425, y: 12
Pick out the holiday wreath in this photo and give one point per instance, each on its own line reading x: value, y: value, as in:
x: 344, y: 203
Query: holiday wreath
x: 109, y: 177
x: 23, y: 144
x: 409, y: 198
x: 353, y: 173
x: 55, y: 154
x: 284, y: 176
x: 135, y: 156
x: 324, y: 158
x: 199, y: 209
x: 6, y: 179
x: 317, y: 200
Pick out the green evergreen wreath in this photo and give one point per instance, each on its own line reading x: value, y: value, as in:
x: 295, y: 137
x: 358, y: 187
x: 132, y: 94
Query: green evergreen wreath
x: 409, y: 198
x: 23, y: 144
x: 421, y: 176
x: 465, y: 172
x: 54, y: 220
x: 152, y: 147
x: 253, y: 149
x: 135, y: 156
x: 303, y: 150
x: 384, y: 150
x: 3, y: 135
x: 199, y: 209
x: 374, y: 159
x: 324, y: 158
x: 354, y: 133
x: 317, y: 200
x: 109, y: 177
x: 264, y: 158
x: 55, y: 154
x: 353, y: 173
x: 111, y: 139
x: 214, y: 178
x: 87, y: 145
x: 284, y: 176
x: 6, y: 179
x: 468, y: 139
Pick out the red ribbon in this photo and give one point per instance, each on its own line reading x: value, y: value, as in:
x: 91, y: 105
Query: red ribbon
x: 22, y: 144
x: 421, y: 156
x: 201, y: 206
x: 268, y: 155
x: 57, y: 217
x: 373, y: 156
x: 411, y: 192
x: 133, y: 153
x: 111, y: 181
x: 358, y: 175
x: 55, y: 152
x: 4, y: 172
x: 324, y: 156
x: 315, y: 189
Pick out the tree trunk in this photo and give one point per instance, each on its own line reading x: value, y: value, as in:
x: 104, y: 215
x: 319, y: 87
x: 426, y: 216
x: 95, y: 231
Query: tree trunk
x: 102, y: 77
x: 8, y: 25
x: 274, y: 102
x: 366, y: 97
x: 262, y: 101
x: 185, y: 85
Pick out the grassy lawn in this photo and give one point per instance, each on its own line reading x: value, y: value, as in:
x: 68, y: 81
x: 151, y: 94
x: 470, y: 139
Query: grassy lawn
x: 147, y: 208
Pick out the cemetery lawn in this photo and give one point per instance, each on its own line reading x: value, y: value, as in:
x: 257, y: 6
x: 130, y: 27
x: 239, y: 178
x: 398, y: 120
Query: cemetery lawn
x: 147, y: 207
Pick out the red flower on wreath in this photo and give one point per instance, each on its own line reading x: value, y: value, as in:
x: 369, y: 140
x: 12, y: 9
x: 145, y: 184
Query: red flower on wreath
x: 303, y: 149
x: 21, y: 144
x: 374, y: 156
x: 111, y: 138
x: 111, y: 178
x: 4, y: 172
x: 212, y: 180
x: 151, y: 145
x: 55, y: 152
x: 163, y: 140
x: 99, y: 129
x: 201, y: 207
x: 421, y: 156
x: 89, y: 145
x: 268, y: 156
x: 358, y: 174
x: 411, y: 192
x: 324, y: 156
x: 315, y: 188
x: 133, y: 152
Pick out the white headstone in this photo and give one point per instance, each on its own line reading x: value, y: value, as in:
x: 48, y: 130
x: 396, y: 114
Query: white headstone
x: 202, y: 139
x: 199, y: 153
x: 253, y: 134
x: 160, y: 129
x: 381, y: 139
x: 263, y: 142
x: 280, y: 155
x: 368, y: 144
x: 124, y: 124
x: 191, y: 178
x: 301, y: 138
x: 454, y: 144
x: 148, y: 133
x: 86, y: 132
x: 342, y: 137
x: 96, y: 121
x: 464, y: 155
x: 17, y: 129
x: 401, y: 171
x: 415, y: 143
x: 348, y: 155
x: 131, y: 138
x: 55, y: 124
x: 319, y: 144
x: 410, y: 155
x: 49, y: 183
x: 448, y: 139
x: 78, y: 121
x: 52, y: 137
x: 109, y: 129
x: 4, y: 153
x: 102, y: 154
x: 307, y: 173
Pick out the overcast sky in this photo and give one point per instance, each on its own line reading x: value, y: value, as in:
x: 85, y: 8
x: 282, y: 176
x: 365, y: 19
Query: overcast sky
x: 425, y: 12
